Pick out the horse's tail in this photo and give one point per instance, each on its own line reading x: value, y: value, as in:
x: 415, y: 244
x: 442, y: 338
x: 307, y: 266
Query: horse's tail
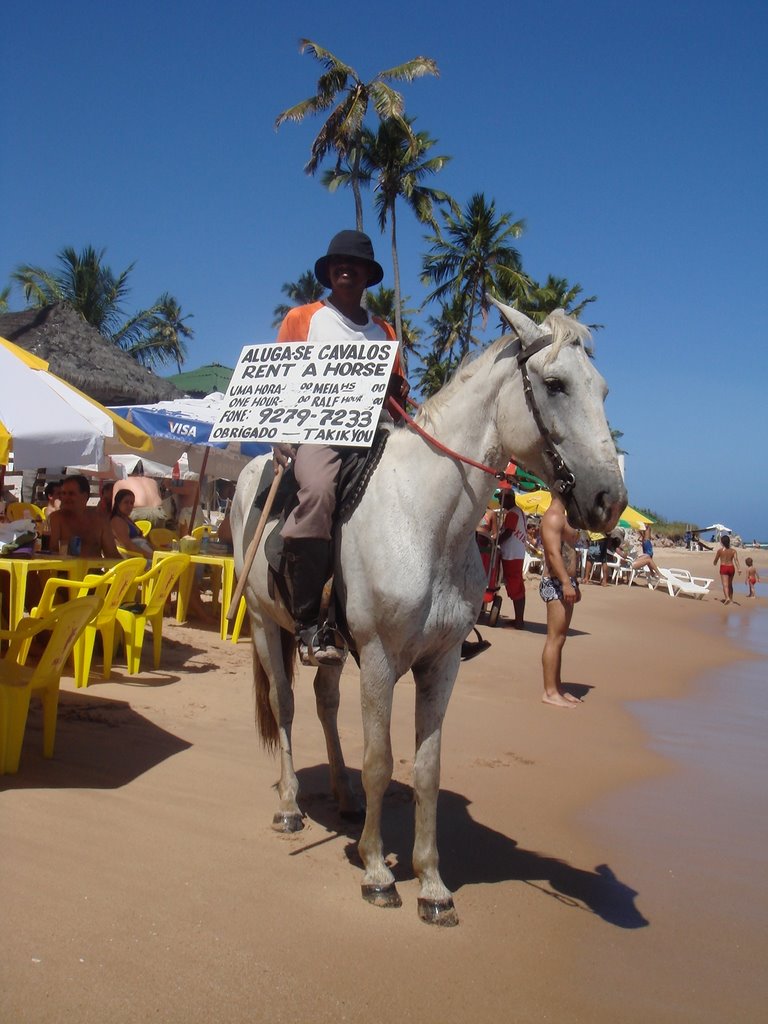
x: 265, y: 719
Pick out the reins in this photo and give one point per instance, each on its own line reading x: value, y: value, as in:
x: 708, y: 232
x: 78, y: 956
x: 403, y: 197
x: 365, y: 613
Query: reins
x: 395, y: 405
x: 564, y: 480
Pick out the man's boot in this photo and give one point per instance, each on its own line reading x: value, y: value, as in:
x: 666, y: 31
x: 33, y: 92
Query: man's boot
x: 308, y: 563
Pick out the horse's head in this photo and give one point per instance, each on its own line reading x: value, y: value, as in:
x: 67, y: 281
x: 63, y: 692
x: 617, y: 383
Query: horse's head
x: 566, y: 439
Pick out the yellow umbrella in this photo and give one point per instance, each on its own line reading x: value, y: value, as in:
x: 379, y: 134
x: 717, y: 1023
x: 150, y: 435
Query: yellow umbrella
x: 634, y: 518
x: 534, y: 504
x: 44, y: 421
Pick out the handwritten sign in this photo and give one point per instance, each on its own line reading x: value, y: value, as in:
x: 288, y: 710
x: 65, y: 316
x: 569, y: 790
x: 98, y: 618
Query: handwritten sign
x: 307, y: 393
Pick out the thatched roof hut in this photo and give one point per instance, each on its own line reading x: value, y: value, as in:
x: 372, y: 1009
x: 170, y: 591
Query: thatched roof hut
x: 76, y: 352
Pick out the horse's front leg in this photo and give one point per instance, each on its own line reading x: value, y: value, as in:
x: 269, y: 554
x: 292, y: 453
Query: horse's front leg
x: 377, y: 681
x: 433, y: 690
x: 327, y: 702
x: 270, y: 669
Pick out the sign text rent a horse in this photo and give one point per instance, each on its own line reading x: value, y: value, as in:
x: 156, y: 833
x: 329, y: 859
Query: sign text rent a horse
x: 299, y: 393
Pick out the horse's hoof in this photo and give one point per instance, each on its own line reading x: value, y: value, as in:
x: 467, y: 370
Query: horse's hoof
x: 440, y: 912
x: 382, y: 895
x: 284, y: 822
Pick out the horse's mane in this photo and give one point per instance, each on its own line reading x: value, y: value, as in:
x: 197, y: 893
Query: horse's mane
x: 565, y: 330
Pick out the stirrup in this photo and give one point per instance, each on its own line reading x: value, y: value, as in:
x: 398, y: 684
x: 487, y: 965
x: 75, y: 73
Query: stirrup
x: 317, y: 646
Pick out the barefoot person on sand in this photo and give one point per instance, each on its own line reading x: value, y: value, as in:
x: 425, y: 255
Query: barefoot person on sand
x: 559, y: 589
x: 729, y: 565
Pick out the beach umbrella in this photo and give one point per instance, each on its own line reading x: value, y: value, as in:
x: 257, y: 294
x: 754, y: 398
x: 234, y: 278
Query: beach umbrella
x: 633, y: 519
x: 46, y: 422
x: 183, y: 427
x: 535, y: 503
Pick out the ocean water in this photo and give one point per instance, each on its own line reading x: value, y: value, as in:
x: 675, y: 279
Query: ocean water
x: 693, y: 842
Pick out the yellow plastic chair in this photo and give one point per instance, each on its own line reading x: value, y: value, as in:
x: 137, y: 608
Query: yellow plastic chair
x: 113, y: 588
x: 22, y: 510
x: 144, y: 525
x: 161, y: 538
x: 242, y: 608
x: 156, y: 587
x: 202, y: 532
x: 18, y: 682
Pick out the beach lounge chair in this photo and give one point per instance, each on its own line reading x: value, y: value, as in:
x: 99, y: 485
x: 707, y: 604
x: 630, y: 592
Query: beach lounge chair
x: 680, y: 581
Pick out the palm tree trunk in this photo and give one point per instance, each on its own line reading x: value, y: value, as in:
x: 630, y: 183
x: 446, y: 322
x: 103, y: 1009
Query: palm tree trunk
x: 396, y: 275
x: 356, y: 187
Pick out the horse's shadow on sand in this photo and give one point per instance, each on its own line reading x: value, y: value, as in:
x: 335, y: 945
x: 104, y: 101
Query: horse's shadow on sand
x: 472, y: 853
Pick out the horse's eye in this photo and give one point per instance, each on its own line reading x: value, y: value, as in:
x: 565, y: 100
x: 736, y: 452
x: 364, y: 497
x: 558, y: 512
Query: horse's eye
x: 555, y: 386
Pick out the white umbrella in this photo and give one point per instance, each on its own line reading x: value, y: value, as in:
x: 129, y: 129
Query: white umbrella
x: 46, y: 422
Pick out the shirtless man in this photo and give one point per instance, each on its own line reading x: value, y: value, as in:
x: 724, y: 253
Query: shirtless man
x: 149, y: 502
x: 75, y: 519
x: 559, y: 589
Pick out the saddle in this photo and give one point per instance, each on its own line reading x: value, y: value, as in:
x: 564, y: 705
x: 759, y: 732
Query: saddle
x: 357, y: 466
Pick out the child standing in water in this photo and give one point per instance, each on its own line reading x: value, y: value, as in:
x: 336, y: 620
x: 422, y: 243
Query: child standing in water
x: 753, y: 577
x: 729, y: 565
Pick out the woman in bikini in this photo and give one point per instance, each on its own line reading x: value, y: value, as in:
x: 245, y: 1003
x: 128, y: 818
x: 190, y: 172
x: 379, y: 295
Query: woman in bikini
x: 728, y: 558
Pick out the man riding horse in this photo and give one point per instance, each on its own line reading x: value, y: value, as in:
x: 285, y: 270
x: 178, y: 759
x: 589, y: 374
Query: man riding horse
x: 348, y: 268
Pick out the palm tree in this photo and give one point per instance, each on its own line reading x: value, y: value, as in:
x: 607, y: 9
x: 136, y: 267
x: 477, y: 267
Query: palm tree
x: 151, y: 336
x: 555, y: 293
x: 436, y: 370
x: 395, y: 158
x: 446, y: 328
x: 162, y: 337
x: 382, y: 303
x: 83, y: 282
x: 341, y: 91
x: 472, y: 255
x: 307, y: 289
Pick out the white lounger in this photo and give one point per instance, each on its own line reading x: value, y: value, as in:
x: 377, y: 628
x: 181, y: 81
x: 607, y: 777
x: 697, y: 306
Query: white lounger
x: 680, y: 581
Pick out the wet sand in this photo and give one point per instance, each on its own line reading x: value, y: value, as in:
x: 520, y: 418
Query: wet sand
x: 142, y: 879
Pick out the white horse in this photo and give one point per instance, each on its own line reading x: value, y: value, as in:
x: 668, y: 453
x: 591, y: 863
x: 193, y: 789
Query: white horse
x: 411, y: 575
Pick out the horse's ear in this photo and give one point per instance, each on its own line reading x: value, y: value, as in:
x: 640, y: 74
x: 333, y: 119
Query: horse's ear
x: 526, y: 330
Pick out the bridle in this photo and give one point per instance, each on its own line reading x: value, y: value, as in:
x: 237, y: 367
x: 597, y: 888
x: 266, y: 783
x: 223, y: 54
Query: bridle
x: 564, y: 480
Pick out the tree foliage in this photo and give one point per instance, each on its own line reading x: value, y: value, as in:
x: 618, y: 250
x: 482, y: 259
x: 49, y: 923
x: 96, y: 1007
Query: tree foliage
x: 471, y: 254
x: 345, y: 97
x: 300, y: 292
x: 151, y: 336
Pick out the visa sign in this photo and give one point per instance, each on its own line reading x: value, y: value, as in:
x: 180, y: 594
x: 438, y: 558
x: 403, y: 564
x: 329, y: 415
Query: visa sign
x: 182, y: 429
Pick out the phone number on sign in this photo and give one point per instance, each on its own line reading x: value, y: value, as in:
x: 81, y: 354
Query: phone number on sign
x: 270, y: 419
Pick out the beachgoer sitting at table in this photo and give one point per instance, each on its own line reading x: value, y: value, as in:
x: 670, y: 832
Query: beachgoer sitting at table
x: 52, y: 494
x: 75, y: 521
x: 127, y: 534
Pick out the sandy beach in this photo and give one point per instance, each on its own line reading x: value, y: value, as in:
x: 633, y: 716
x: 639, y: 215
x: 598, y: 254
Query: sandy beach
x: 142, y: 879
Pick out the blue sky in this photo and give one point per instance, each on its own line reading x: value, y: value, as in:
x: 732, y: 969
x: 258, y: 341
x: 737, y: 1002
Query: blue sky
x: 630, y: 137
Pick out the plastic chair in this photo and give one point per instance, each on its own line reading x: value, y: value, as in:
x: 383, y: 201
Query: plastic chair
x: 18, y: 681
x: 161, y: 538
x: 113, y: 588
x: 22, y: 510
x: 144, y: 525
x: 242, y: 608
x: 204, y: 532
x: 156, y: 586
